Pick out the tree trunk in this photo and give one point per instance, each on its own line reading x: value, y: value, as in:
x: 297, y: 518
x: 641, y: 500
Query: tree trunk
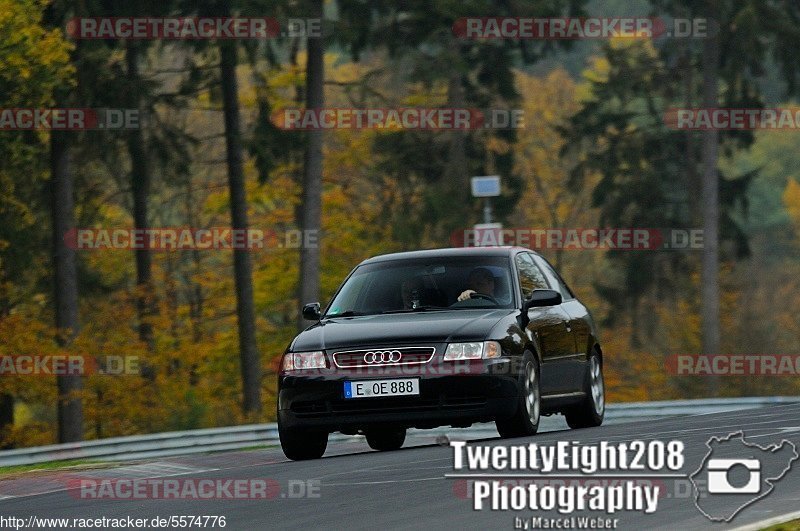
x: 693, y: 183
x: 457, y: 151
x: 140, y: 185
x: 311, y: 205
x: 70, y: 407
x: 710, y: 201
x: 242, y: 265
x: 6, y: 418
x: 456, y: 172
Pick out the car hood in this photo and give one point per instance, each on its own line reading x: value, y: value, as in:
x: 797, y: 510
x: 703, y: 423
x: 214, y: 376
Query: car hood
x: 389, y: 329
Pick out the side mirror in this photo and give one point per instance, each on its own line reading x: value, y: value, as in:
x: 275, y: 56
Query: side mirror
x: 542, y: 297
x: 311, y: 311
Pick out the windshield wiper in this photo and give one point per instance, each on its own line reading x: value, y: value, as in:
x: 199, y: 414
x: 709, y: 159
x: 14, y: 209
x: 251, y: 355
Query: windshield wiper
x: 348, y: 313
x: 417, y: 309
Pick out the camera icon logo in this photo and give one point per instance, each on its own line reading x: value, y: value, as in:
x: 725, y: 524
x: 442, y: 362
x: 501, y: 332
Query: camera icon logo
x: 718, y: 476
x: 736, y: 473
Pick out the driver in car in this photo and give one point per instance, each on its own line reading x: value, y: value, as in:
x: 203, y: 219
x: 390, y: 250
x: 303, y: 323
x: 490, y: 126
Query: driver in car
x: 482, y: 280
x: 411, y: 292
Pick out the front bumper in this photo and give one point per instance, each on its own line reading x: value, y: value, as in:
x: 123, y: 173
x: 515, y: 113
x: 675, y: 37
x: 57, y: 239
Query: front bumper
x: 451, y: 393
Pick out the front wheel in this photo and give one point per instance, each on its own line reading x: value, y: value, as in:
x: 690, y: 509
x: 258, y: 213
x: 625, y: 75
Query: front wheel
x: 386, y: 439
x: 526, y: 419
x: 301, y: 445
x: 590, y: 412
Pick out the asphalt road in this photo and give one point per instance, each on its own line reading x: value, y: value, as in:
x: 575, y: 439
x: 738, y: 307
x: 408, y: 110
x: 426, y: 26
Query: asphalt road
x: 407, y: 489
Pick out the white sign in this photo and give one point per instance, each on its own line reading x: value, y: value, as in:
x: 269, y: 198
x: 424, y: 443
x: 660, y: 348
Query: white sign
x: 487, y: 186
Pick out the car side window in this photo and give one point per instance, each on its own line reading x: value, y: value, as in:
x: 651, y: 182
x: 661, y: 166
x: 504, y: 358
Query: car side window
x: 555, y: 279
x: 530, y: 276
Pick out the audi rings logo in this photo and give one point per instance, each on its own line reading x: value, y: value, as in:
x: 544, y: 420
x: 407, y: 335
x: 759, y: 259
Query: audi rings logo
x: 382, y: 356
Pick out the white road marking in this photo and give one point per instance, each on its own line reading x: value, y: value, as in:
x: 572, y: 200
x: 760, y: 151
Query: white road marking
x: 383, y: 482
x: 655, y: 434
x: 146, y: 470
x: 775, y: 520
x: 380, y: 468
x: 781, y: 431
x: 156, y: 470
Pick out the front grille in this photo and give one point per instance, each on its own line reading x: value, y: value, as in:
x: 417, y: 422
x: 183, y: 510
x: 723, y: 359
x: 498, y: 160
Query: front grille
x: 383, y: 356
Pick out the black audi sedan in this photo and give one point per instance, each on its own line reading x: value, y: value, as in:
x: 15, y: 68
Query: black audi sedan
x: 444, y: 337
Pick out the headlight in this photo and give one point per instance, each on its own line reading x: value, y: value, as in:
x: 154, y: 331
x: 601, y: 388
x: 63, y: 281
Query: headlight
x: 472, y: 351
x: 295, y: 361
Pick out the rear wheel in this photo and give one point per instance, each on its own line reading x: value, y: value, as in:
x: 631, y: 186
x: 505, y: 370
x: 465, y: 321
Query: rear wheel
x: 386, y: 439
x: 301, y: 445
x: 590, y: 412
x: 526, y: 419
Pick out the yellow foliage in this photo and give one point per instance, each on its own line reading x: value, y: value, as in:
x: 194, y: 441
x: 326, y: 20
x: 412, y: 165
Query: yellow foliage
x: 632, y: 375
x: 791, y: 200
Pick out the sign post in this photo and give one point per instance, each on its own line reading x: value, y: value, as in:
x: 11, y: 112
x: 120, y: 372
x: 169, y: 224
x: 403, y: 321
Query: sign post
x: 487, y: 186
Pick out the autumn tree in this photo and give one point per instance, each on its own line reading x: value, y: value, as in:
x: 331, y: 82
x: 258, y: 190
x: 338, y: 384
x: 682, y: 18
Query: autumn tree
x: 35, y: 64
x: 741, y: 37
x: 620, y: 134
x: 310, y: 211
x: 445, y: 70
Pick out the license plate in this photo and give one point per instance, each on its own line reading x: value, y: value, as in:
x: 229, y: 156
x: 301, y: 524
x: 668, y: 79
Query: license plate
x: 373, y: 388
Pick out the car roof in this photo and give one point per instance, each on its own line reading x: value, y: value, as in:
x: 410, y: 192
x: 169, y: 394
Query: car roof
x: 448, y: 252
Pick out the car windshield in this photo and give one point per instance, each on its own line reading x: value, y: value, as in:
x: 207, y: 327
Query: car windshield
x: 429, y: 284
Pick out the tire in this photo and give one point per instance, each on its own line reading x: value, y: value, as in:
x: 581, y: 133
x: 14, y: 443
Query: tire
x: 590, y: 412
x: 385, y: 440
x: 301, y: 445
x: 529, y: 403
